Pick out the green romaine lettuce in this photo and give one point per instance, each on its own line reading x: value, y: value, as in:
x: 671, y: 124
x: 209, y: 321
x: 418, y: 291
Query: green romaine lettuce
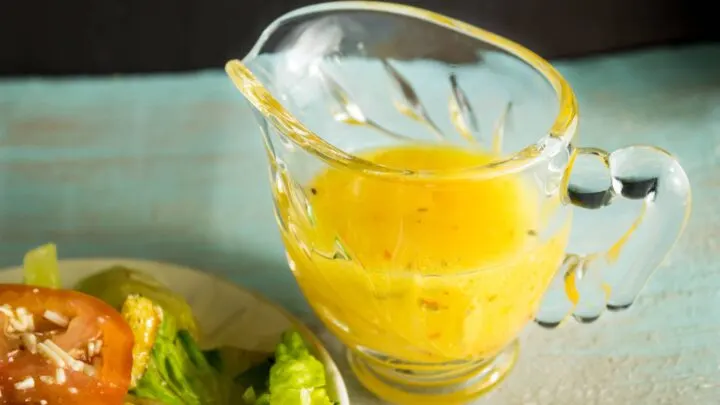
x: 178, y: 373
x: 296, y: 377
x: 115, y: 284
x: 40, y: 267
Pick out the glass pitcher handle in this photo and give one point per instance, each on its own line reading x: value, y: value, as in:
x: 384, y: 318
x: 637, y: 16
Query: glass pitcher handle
x: 587, y: 284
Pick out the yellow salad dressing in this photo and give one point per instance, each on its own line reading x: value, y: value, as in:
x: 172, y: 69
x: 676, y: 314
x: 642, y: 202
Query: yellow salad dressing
x: 425, y: 271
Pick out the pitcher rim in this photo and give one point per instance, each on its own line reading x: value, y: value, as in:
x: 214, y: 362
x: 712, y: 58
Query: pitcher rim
x: 291, y: 127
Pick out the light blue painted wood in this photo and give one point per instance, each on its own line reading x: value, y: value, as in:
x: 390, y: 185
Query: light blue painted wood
x: 171, y: 168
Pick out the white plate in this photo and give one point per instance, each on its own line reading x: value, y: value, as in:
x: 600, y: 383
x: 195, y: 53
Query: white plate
x: 228, y: 314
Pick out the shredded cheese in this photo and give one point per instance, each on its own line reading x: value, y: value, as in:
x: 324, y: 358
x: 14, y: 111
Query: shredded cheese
x: 56, y: 318
x: 89, y: 370
x: 30, y: 342
x: 19, y: 320
x: 60, y: 376
x: 69, y: 360
x: 25, y: 319
x: 50, y: 354
x: 7, y: 310
x: 47, y: 379
x: 30, y: 322
x: 17, y: 325
x: 25, y: 384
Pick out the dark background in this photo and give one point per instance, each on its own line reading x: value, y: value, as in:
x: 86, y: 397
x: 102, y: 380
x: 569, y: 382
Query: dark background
x: 129, y: 36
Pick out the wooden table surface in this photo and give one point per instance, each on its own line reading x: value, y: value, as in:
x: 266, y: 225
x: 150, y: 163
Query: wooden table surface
x: 171, y: 168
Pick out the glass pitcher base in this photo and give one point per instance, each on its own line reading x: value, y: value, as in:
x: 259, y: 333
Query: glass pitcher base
x: 450, y: 386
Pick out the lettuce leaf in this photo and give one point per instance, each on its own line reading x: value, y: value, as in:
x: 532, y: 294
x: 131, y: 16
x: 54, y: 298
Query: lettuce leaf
x: 40, y: 267
x: 178, y: 373
x: 296, y: 377
x: 115, y: 284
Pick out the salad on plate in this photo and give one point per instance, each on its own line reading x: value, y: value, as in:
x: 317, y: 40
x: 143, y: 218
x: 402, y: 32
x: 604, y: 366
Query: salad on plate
x: 120, y: 337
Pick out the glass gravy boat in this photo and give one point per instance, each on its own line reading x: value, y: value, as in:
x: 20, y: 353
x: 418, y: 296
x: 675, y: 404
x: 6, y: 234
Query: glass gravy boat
x: 425, y: 175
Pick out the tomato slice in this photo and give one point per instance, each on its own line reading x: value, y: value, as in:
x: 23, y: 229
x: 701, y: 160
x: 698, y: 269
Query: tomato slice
x: 61, y: 347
